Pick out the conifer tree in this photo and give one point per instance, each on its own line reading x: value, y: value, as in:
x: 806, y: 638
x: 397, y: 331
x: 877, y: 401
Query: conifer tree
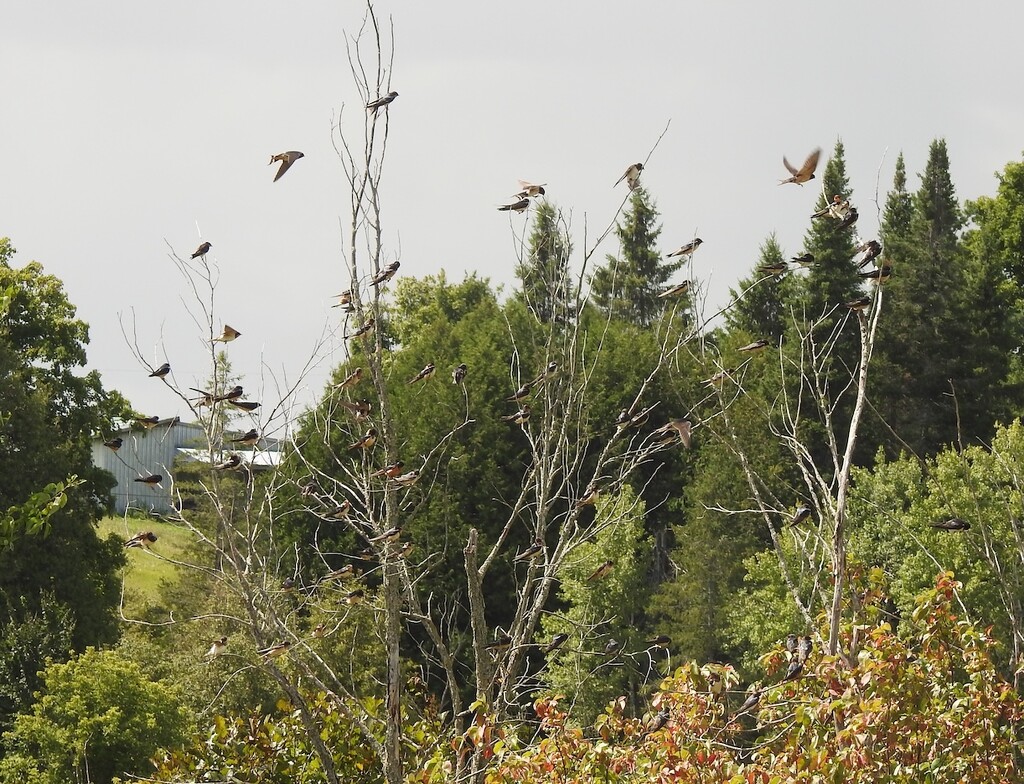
x: 544, y: 273
x: 761, y: 309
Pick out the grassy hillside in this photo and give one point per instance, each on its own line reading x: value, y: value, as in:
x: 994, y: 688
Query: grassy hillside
x: 146, y: 571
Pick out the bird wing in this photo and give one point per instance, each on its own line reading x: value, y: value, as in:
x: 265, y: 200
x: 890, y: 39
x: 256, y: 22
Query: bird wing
x: 286, y: 163
x: 788, y: 165
x: 809, y: 165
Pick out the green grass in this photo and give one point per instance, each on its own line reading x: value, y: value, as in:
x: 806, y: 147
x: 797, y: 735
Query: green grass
x: 146, y: 572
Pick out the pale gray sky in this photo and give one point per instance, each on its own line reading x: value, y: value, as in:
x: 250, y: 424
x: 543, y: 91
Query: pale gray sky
x: 125, y: 124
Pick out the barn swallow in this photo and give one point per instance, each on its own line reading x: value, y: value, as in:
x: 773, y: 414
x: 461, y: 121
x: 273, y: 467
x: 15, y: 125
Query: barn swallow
x: 519, y: 417
x: 147, y: 422
x: 546, y: 373
x: 459, y: 374
x: 274, y: 651
x: 520, y: 393
x: 661, y: 641
x: 556, y: 642
x: 880, y: 275
x: 857, y: 305
x: 803, y: 648
x: 142, y: 539
x: 528, y: 189
x: 217, y: 647
x: 319, y: 631
x: 839, y: 208
x: 205, y: 398
x: 381, y: 102
x: 202, y: 250
x: 426, y: 373
x: 407, y: 479
x: 753, y: 348
x: 719, y: 378
x: 952, y: 524
x: 676, y: 291
x: 535, y: 549
x: 386, y: 273
x: 390, y: 535
x: 748, y: 704
x: 500, y: 644
x: 351, y: 379
x: 805, y: 172
x: 344, y: 299
x: 612, y: 647
x: 831, y: 208
x: 366, y: 441
x: 774, y: 268
x: 871, y: 249
x: 390, y: 471
x: 849, y: 219
x: 795, y: 668
x: 308, y: 488
x: 229, y: 334
x: 245, y: 405
x: 286, y: 159
x: 405, y: 550
x: 363, y: 330
x: 249, y: 439
x: 677, y: 427
x: 341, y: 511
x: 354, y: 597
x: 360, y: 409
x: 657, y: 722
x: 631, y: 176
x: 288, y: 584
x: 152, y: 479
x: 233, y: 461
x: 232, y: 394
x: 161, y: 371
x: 602, y: 571
x: 791, y: 643
x: 517, y: 206
x: 347, y: 572
x: 114, y: 444
x: 802, y: 513
x: 622, y: 420
x: 804, y: 260
x: 686, y: 250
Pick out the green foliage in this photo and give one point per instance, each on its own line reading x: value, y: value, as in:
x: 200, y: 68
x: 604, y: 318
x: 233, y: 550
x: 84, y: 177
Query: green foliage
x: 33, y: 515
x: 762, y: 299
x: 544, y: 274
x: 98, y: 717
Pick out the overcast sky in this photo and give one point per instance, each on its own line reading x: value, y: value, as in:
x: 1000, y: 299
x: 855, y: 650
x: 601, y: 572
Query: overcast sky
x: 126, y: 125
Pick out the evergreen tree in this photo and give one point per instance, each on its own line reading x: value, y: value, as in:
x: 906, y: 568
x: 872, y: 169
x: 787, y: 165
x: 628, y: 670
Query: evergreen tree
x: 544, y: 274
x: 761, y: 309
x: 627, y: 287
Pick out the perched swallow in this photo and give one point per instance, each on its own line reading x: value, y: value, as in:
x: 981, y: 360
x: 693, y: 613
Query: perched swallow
x: 344, y: 299
x: 857, y: 305
x: 775, y: 268
x: 147, y: 422
x: 363, y: 330
x: 849, y: 219
x: 795, y: 668
x: 791, y: 643
x: 831, y: 209
x: 152, y: 479
x: 308, y: 488
x: 249, y: 439
x: 354, y: 597
x: 556, y: 642
x: 839, y: 208
x: 217, y: 647
x: 274, y: 651
x: 286, y: 159
x: 602, y: 571
x: 748, y: 704
x: 719, y: 378
x: 233, y: 461
x: 459, y: 374
x: 427, y: 372
x: 500, y: 644
x: 802, y: 513
x: 753, y: 348
x: 804, y: 260
x: 952, y: 524
x: 661, y: 641
x: 390, y: 471
x: 517, y: 206
x: 805, y: 172
x: 340, y: 512
x: 381, y: 102
x: 880, y: 275
x: 351, y: 379
x: 161, y: 371
x: 528, y: 189
x: 390, y: 535
x: 686, y: 250
x: 142, y: 539
x: 676, y: 291
x: 407, y: 479
x: 114, y: 444
x: 589, y: 498
x: 520, y: 393
x: 288, y: 584
x: 405, y: 550
x: 366, y: 441
x: 803, y: 648
x: 677, y: 427
x: 205, y: 398
x: 245, y: 405
x: 229, y: 334
x: 622, y: 420
x: 871, y: 249
x: 347, y: 572
x: 385, y: 274
x: 612, y: 647
x: 631, y: 176
x: 360, y: 409
x: 535, y: 549
x: 232, y: 394
x: 202, y: 250
x: 319, y: 631
x: 519, y: 417
x: 546, y: 373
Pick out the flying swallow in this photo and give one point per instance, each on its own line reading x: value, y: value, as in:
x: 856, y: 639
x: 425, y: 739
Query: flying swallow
x: 366, y: 441
x: 386, y: 273
x: 880, y: 275
x: 147, y: 422
x: 390, y: 471
x: 774, y: 268
x: 791, y: 643
x: 347, y: 572
x: 354, y: 597
x: 612, y: 647
x: 363, y: 330
x: 459, y: 374
x: 152, y: 479
x: 748, y: 704
x: 535, y: 549
x: 390, y: 535
x: 114, y: 444
x: 753, y: 348
x: 286, y: 159
x: 719, y: 378
x: 858, y: 305
x: 381, y: 102
x: 232, y: 394
x: 519, y: 417
x: 528, y: 189
x: 427, y: 372
x: 340, y: 512
x: 229, y: 334
x: 351, y: 379
x: 676, y: 291
x: 233, y: 461
x: 805, y: 260
x: 602, y: 571
x: 249, y: 439
x: 681, y: 427
x: 274, y: 651
x: 686, y: 250
x: 161, y: 371
x: 556, y: 642
x: 517, y: 206
x: 360, y: 409
x: 202, y: 250
x: 245, y: 405
x: 802, y: 513
x: 407, y: 479
x: 217, y: 648
x: 952, y: 524
x: 803, y: 648
x: 142, y: 539
x: 631, y: 176
x: 661, y: 641
x: 805, y: 172
x: 849, y: 219
x: 520, y: 393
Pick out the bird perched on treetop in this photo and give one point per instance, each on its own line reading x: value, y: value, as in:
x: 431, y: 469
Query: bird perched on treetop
x: 161, y: 371
x: 382, y: 101
x: 631, y: 176
x: 232, y: 394
x: 661, y: 641
x: 532, y: 551
x: 774, y: 268
x: 202, y: 250
x: 528, y: 189
x: 804, y: 260
x: 517, y: 206
x: 363, y: 330
x: 805, y: 172
x: 286, y: 159
x: 386, y: 273
x: 857, y: 305
x: 686, y: 250
x: 390, y: 471
x: 229, y: 334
